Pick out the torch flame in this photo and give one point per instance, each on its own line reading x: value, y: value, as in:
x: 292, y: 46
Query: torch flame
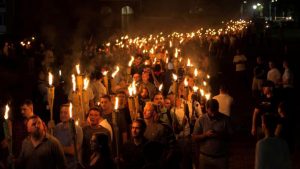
x: 131, y: 61
x: 77, y: 122
x: 207, y: 76
x: 174, y: 77
x: 50, y: 79
x: 188, y: 62
x: 70, y: 110
x: 160, y: 87
x: 130, y: 90
x: 195, y: 72
x: 105, y: 73
x: 176, y: 53
x: 202, y: 92
x: 170, y: 42
x: 167, y: 60
x: 195, y: 88
x: 85, y: 83
x: 154, y: 61
x: 6, y: 112
x: 207, y: 96
x: 59, y: 72
x: 74, y: 82
x: 117, y: 103
x: 133, y: 87
x: 78, y: 69
x: 204, y: 83
x: 152, y: 51
x: 115, y: 72
x: 180, y: 59
x: 185, y: 82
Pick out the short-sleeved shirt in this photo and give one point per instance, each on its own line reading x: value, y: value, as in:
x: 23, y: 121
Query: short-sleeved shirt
x: 215, y: 147
x: 65, y: 136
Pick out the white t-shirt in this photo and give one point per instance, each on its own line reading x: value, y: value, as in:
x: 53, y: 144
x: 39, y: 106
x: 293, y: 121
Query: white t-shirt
x: 240, y: 62
x: 274, y: 75
x: 272, y: 153
x: 104, y: 123
x: 225, y: 103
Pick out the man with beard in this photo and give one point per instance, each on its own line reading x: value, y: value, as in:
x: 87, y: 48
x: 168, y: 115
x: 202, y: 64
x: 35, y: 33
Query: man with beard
x: 39, y: 149
x: 132, y: 152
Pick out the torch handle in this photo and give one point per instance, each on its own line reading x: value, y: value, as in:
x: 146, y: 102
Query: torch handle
x: 8, y: 136
x: 74, y: 137
x: 116, y: 133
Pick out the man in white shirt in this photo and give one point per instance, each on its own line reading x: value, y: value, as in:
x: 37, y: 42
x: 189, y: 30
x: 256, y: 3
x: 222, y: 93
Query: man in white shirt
x: 274, y: 74
x: 225, y: 101
x: 271, y: 152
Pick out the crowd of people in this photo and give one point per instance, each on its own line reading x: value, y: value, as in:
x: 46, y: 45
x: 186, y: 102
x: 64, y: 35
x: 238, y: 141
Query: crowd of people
x: 179, y: 115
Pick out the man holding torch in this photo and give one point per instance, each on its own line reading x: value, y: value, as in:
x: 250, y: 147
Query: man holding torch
x: 64, y: 134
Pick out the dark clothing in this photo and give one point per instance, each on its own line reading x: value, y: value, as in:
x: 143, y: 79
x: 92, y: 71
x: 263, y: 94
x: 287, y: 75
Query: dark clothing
x: 103, y: 163
x: 260, y: 71
x: 286, y: 132
x: 121, y: 126
x: 156, y: 132
x: 133, y: 154
x: 88, y: 131
x: 47, y: 155
x: 266, y: 105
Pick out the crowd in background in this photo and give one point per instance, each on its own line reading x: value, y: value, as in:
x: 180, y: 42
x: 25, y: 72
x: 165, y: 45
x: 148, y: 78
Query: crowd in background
x: 174, y: 126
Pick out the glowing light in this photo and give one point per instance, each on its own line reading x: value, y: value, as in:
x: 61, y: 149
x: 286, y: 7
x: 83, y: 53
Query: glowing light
x: 117, y: 103
x: 6, y: 112
x: 188, y: 62
x: 196, y: 72
x: 174, y: 77
x: 115, y: 72
x: 185, y: 82
x: 50, y: 79
x: 105, y: 72
x: 131, y: 61
x: 74, y: 82
x: 202, y: 92
x: 160, y: 87
x: 78, y: 69
x: 207, y: 96
x: 195, y: 88
x: 70, y: 110
x: 86, y: 82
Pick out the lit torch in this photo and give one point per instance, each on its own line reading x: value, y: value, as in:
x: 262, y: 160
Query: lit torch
x: 129, y: 65
x: 79, y: 79
x: 160, y: 87
x: 73, y: 132
x: 85, y: 97
x: 7, y: 127
x: 115, y: 125
x: 175, y: 85
x: 51, y: 89
x: 186, y: 86
x: 131, y: 105
x: 112, y: 80
x: 105, y: 79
